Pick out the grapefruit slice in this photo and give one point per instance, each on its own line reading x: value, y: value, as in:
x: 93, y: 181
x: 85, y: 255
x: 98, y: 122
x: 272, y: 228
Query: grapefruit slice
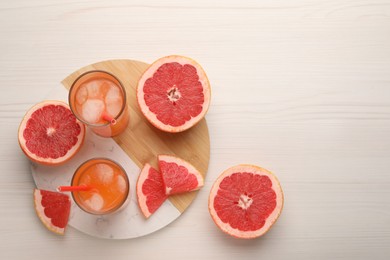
x: 174, y: 93
x: 150, y: 190
x: 50, y: 134
x: 178, y: 175
x: 245, y: 201
x: 53, y: 209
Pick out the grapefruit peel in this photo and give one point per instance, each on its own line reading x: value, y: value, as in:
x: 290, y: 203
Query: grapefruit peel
x: 270, y: 220
x: 49, y: 131
x: 173, y: 95
x: 161, y: 192
x: 40, y: 210
x: 179, y: 176
x: 148, y: 201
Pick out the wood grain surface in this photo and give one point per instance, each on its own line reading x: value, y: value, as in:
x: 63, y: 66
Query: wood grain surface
x: 141, y: 140
x: 299, y: 87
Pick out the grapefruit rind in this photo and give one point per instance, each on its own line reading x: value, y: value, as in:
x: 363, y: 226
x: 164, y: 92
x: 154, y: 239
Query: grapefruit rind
x: 152, y: 118
x: 140, y: 196
x: 191, y: 169
x: 142, y: 199
x: 225, y: 227
x: 40, y: 210
x: 48, y: 161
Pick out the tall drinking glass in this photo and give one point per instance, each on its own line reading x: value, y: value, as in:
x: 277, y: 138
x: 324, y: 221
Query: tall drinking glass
x: 98, y: 99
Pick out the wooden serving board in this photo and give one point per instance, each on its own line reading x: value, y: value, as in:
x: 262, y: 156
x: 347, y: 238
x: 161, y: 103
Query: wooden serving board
x: 142, y: 141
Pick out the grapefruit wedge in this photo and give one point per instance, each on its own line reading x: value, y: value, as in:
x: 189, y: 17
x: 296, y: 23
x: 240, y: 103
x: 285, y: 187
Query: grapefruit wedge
x: 245, y: 201
x: 174, y: 93
x: 179, y: 175
x: 53, y: 209
x: 50, y: 134
x: 150, y: 190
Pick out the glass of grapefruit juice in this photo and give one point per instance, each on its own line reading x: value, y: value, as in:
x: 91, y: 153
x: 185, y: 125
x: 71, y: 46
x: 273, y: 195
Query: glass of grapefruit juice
x: 98, y: 99
x: 108, y: 185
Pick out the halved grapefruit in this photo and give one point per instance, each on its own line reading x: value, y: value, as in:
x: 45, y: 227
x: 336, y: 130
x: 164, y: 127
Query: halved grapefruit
x: 174, y: 93
x: 50, y: 134
x: 53, y: 209
x: 179, y: 175
x: 245, y: 201
x: 150, y: 190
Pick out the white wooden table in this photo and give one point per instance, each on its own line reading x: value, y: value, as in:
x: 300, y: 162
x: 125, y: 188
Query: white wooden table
x: 299, y: 87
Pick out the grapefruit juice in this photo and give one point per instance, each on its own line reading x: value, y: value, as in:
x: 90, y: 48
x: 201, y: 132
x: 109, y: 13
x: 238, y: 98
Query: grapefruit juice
x: 98, y: 99
x: 108, y: 186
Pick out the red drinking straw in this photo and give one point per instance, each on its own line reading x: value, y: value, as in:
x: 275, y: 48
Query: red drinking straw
x: 74, y: 188
x: 109, y: 118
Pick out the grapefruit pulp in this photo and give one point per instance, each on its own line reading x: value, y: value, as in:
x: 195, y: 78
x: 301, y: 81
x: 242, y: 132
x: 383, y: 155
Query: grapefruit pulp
x: 245, y: 201
x: 174, y: 93
x: 178, y: 175
x: 53, y: 209
x: 150, y: 190
x: 50, y: 134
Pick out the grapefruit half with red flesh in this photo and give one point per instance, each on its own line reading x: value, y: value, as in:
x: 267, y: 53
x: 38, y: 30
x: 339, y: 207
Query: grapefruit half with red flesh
x: 245, y: 201
x: 50, y: 134
x: 53, y: 209
x: 174, y: 93
x: 150, y: 190
x: 179, y: 175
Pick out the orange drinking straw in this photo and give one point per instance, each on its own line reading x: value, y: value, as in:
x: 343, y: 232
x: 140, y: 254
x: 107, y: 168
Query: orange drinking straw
x: 109, y: 118
x: 74, y: 188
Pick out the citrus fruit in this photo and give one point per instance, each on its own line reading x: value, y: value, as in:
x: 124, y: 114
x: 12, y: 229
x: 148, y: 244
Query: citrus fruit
x: 53, y: 209
x: 150, y: 190
x: 50, y: 134
x: 174, y: 93
x: 245, y: 201
x: 178, y: 175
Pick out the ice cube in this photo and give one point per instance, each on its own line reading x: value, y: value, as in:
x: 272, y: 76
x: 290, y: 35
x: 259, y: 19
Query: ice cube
x: 92, y: 110
x: 113, y: 108
x: 95, y: 202
x: 113, y: 94
x: 93, y: 88
x: 121, y: 182
x: 104, y: 173
x: 113, y: 100
x: 81, y: 95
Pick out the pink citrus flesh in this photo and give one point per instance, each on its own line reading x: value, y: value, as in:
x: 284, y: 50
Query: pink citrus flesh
x: 178, y: 175
x: 53, y: 209
x: 150, y: 190
x: 174, y: 93
x: 50, y: 134
x: 245, y: 201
